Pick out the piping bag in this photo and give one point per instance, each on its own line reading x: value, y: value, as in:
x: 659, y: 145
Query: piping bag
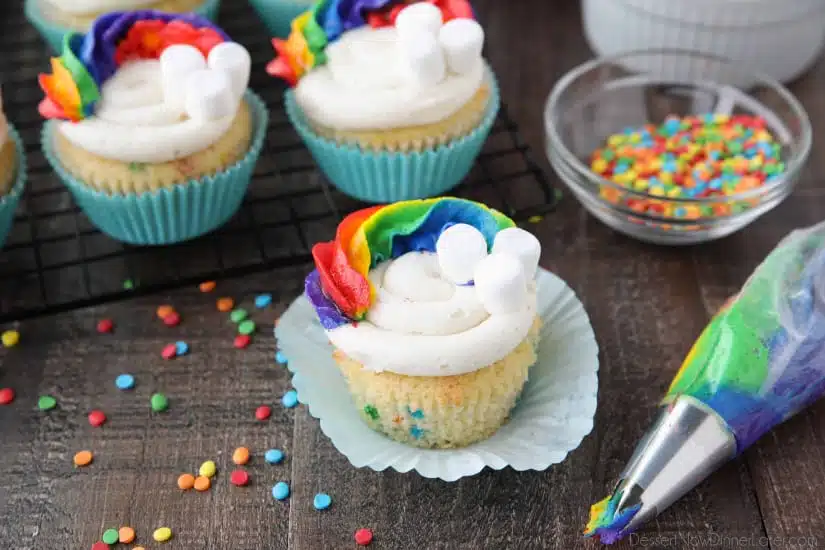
x: 759, y: 361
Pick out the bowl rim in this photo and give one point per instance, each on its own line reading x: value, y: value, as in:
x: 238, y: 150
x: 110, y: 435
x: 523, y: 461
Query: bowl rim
x: 793, y: 165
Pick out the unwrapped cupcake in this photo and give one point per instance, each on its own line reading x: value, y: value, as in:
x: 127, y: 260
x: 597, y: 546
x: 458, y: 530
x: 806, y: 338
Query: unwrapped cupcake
x: 392, y: 98
x: 154, y: 131
x: 54, y: 19
x: 431, y: 308
x: 12, y: 173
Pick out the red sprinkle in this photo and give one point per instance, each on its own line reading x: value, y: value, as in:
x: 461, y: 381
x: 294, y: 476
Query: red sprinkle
x: 6, y: 396
x: 100, y: 546
x: 172, y: 320
x: 169, y: 351
x: 363, y: 537
x: 239, y: 478
x: 263, y: 412
x: 97, y: 418
x: 241, y: 341
x: 105, y: 325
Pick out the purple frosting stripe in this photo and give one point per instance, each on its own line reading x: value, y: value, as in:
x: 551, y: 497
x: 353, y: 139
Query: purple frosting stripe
x: 328, y: 313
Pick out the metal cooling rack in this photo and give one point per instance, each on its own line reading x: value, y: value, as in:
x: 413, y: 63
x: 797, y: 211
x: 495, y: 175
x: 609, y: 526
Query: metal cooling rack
x: 54, y: 260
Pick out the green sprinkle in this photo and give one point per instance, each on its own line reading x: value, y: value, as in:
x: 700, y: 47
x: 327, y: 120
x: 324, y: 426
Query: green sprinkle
x: 110, y: 536
x: 46, y: 403
x: 372, y: 412
x: 246, y: 327
x: 159, y: 402
x: 137, y: 166
x: 128, y: 284
x: 534, y: 219
x: 238, y: 315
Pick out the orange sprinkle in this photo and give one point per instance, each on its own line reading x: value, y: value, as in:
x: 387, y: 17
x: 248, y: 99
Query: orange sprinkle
x: 240, y: 456
x: 397, y: 419
x: 202, y: 483
x: 126, y: 535
x: 186, y: 482
x: 83, y: 458
x: 207, y: 286
x: 225, y: 304
x: 164, y: 311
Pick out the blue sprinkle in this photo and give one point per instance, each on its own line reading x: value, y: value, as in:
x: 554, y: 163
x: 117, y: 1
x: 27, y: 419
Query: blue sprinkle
x: 418, y: 414
x: 322, y: 501
x: 680, y: 212
x: 125, y: 382
x: 274, y: 456
x: 280, y: 357
x: 181, y: 348
x: 263, y: 300
x: 290, y: 399
x: 416, y: 432
x: 280, y: 491
x: 620, y: 168
x: 715, y: 183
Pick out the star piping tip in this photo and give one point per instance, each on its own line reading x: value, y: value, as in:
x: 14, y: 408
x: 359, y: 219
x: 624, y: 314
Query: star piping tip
x: 606, y: 522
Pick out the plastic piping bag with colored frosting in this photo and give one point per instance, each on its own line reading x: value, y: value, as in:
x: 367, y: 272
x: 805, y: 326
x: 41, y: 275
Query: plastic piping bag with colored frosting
x: 759, y: 361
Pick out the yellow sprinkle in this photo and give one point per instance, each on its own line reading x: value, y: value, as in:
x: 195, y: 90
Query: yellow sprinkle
x: 666, y: 178
x: 657, y: 192
x: 615, y: 140
x: 635, y: 138
x: 208, y: 469
x: 162, y: 534
x: 631, y: 176
x: 599, y: 166
x: 675, y: 192
x: 641, y: 184
x: 721, y: 119
x: 762, y: 135
x: 535, y: 219
x: 756, y: 162
x: 10, y: 338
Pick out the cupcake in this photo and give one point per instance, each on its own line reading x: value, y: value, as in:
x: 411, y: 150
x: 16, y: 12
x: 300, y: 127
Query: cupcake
x: 12, y: 173
x: 54, y: 19
x: 430, y: 306
x: 395, y: 102
x: 277, y: 15
x: 153, y: 130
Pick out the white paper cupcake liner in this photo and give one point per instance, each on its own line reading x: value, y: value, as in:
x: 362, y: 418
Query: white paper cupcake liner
x: 553, y: 415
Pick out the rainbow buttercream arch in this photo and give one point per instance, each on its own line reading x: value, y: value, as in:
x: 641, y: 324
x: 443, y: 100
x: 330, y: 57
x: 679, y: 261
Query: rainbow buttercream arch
x: 88, y: 60
x: 339, y: 289
x: 327, y: 20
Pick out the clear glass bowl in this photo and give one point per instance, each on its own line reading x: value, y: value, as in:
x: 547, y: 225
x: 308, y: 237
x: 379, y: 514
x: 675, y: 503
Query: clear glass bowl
x: 606, y: 96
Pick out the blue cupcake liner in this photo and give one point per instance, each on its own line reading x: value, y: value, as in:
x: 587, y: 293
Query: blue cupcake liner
x: 174, y: 214
x: 53, y: 32
x: 383, y: 177
x: 277, y: 15
x: 9, y: 202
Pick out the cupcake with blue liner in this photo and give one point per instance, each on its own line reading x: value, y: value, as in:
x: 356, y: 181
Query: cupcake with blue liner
x: 152, y: 127
x: 12, y: 173
x: 431, y: 308
x: 54, y: 19
x: 277, y: 15
x: 394, y: 99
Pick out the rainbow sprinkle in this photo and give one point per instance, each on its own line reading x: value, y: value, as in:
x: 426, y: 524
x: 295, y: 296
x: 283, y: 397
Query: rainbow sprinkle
x: 606, y: 523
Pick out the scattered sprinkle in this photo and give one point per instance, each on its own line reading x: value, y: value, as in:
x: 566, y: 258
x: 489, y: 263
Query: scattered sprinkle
x: 280, y: 357
x: 83, y: 458
x: 280, y: 491
x: 138, y: 548
x: 125, y: 382
x: 186, y: 482
x: 207, y: 286
x: 202, y: 483
x: 239, y: 478
x: 274, y: 456
x: 159, y: 402
x: 241, y: 341
x: 372, y: 412
x: 104, y: 326
x: 238, y: 315
x: 363, y: 537
x: 46, y: 402
x: 263, y: 412
x: 162, y: 534
x: 263, y: 300
x: 290, y: 399
x: 208, y: 469
x: 126, y: 535
x: 169, y: 351
x: 416, y: 432
x: 247, y: 327
x: 100, y: 546
x: 6, y: 396
x: 165, y: 310
x: 110, y: 536
x: 97, y: 418
x: 10, y: 338
x: 225, y: 304
x: 172, y: 320
x: 240, y: 456
x: 322, y: 501
x: 181, y: 347
x: 128, y: 284
x: 535, y: 219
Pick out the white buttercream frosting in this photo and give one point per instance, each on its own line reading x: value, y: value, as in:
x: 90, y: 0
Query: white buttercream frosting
x: 150, y: 115
x: 369, y: 83
x: 423, y: 324
x: 89, y: 7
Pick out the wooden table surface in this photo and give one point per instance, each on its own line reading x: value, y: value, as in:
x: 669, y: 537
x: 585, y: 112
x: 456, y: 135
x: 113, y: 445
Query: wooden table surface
x: 647, y: 304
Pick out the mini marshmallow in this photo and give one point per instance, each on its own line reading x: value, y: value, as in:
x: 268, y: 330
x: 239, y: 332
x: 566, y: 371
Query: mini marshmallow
x: 176, y: 64
x: 501, y: 284
x: 209, y: 95
x: 424, y: 59
x: 234, y: 59
x: 522, y: 244
x: 460, y: 248
x: 462, y: 41
x: 416, y: 18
